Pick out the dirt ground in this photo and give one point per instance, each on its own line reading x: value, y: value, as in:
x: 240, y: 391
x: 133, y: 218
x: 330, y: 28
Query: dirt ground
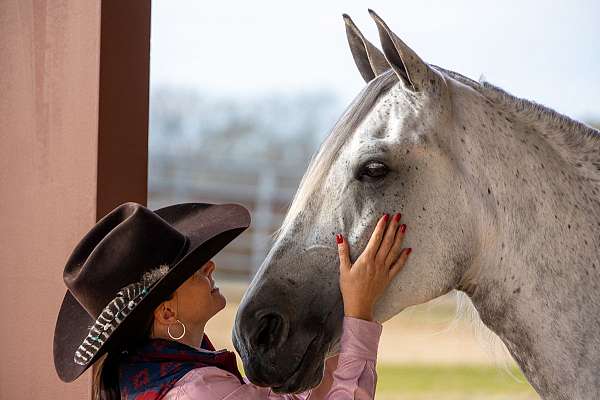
x: 428, y: 334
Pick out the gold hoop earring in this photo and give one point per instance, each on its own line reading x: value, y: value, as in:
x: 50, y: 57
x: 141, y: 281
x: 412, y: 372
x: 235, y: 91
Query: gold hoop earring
x: 171, y: 335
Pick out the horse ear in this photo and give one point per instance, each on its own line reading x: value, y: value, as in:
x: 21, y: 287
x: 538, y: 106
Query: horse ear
x: 411, y: 70
x: 369, y: 60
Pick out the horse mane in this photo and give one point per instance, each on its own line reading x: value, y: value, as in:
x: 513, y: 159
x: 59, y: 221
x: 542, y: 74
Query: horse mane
x: 576, y: 141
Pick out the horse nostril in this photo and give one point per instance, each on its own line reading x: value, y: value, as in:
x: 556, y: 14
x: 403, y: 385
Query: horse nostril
x: 271, y: 332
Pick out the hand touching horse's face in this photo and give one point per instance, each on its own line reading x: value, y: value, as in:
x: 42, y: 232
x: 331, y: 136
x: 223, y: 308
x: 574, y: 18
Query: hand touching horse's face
x: 385, y: 155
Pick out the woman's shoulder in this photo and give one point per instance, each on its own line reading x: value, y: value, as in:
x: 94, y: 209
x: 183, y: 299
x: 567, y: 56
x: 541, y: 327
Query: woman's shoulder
x: 205, y: 382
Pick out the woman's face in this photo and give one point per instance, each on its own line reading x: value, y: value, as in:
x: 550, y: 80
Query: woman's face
x: 198, y: 299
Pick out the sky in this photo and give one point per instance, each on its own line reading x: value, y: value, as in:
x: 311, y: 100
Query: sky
x: 547, y: 51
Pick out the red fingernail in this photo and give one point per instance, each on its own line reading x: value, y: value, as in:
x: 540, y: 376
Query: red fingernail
x: 339, y: 238
x: 408, y: 251
x: 386, y: 217
x: 403, y: 228
x: 397, y: 217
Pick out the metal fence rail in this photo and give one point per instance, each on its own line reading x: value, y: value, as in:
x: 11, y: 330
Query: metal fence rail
x: 265, y: 188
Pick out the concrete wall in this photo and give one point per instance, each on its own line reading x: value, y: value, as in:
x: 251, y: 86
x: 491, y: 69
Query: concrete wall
x: 73, y: 144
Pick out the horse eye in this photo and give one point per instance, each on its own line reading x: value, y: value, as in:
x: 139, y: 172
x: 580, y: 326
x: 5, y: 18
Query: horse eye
x: 373, y: 170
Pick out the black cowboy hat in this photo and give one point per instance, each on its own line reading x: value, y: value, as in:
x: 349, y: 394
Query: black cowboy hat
x: 125, y: 266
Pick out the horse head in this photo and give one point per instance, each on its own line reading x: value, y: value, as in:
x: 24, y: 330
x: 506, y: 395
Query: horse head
x: 391, y: 151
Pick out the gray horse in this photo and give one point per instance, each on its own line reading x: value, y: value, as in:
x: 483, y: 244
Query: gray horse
x: 502, y: 201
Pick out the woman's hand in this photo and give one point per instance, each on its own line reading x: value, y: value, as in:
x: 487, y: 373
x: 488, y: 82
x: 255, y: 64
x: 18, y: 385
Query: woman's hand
x: 363, y: 282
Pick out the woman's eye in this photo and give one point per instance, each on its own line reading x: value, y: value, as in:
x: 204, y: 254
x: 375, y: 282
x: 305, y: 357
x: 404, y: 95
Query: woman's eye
x: 373, y: 170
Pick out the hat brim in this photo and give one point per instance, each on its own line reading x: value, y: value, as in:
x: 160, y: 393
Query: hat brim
x: 209, y: 227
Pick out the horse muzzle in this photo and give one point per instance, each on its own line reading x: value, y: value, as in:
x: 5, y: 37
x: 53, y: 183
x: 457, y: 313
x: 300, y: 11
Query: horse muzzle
x: 281, y: 352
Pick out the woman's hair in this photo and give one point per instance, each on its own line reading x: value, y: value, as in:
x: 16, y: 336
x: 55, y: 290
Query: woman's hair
x: 105, y: 378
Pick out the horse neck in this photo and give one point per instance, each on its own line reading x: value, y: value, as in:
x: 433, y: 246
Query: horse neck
x: 537, y: 271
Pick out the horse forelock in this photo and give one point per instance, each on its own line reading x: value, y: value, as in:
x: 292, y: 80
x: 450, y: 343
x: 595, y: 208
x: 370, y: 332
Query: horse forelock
x: 324, y: 157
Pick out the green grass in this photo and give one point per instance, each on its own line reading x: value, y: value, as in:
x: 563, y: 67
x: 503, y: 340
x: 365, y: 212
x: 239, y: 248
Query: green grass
x: 413, y: 381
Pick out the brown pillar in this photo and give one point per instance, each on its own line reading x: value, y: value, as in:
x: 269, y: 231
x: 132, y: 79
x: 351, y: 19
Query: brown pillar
x: 73, y: 144
x: 123, y: 122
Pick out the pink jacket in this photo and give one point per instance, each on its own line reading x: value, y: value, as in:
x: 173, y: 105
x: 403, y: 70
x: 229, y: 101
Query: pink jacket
x: 350, y: 375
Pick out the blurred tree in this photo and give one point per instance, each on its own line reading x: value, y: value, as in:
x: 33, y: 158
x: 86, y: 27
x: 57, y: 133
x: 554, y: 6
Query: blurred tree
x: 274, y: 126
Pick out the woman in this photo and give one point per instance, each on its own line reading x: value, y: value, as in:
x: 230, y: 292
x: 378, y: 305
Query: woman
x: 140, y: 292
